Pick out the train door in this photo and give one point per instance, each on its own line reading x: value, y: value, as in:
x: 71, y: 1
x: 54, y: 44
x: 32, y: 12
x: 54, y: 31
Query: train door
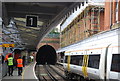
x: 85, y: 64
x: 60, y: 57
x: 66, y: 64
x: 62, y: 54
x: 113, y: 64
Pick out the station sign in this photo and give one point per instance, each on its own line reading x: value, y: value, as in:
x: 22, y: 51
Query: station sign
x: 0, y: 45
x: 31, y: 21
x: 7, y: 45
x: 11, y: 45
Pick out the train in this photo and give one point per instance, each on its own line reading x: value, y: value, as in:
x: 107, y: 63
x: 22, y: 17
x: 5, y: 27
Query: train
x: 94, y: 58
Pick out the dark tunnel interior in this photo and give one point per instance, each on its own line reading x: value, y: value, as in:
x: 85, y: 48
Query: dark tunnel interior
x: 17, y: 51
x: 46, y: 55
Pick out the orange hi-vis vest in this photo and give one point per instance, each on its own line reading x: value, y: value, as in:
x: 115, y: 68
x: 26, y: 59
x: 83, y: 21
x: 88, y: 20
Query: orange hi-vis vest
x: 19, y: 63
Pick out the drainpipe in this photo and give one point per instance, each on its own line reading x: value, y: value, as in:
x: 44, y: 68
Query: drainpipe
x: 110, y: 14
x: 117, y: 10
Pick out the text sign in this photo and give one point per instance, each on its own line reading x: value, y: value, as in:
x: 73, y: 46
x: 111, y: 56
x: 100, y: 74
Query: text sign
x: 31, y: 21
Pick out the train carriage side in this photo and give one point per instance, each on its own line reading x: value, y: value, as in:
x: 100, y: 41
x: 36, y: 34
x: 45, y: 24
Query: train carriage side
x: 113, y: 60
x: 94, y: 58
x: 81, y: 62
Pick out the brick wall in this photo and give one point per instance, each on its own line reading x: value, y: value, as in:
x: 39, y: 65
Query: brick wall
x: 107, y: 16
x: 110, y: 15
x: 102, y: 21
x: 86, y: 24
x: 119, y: 11
x: 51, y: 42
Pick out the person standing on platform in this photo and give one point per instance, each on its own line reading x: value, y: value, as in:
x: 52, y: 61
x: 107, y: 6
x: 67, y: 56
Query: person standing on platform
x: 10, y: 61
x: 19, y: 65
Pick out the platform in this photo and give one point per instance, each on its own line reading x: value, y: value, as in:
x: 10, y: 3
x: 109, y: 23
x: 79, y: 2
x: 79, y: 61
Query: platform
x: 27, y: 75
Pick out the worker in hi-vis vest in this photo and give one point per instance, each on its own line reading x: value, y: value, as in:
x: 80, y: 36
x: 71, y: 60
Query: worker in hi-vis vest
x: 10, y: 63
x: 19, y: 65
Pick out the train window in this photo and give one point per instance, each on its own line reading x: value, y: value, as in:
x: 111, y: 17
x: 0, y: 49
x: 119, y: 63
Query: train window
x: 66, y: 57
x: 115, y: 63
x: 93, y: 61
x: 74, y: 60
x: 77, y: 60
x: 81, y: 60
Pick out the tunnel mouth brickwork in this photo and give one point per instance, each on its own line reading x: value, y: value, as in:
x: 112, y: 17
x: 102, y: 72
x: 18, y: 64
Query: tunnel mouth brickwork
x: 46, y: 55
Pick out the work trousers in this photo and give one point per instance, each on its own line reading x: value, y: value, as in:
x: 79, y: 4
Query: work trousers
x: 10, y: 70
x: 19, y: 70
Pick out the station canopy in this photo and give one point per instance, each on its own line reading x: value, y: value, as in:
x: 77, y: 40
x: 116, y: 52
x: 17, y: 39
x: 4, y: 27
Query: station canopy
x: 49, y: 16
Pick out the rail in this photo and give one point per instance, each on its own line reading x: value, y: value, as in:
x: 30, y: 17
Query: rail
x: 50, y: 74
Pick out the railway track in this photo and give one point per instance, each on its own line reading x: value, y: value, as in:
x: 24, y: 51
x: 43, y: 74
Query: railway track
x: 58, y: 71
x: 54, y: 76
x: 48, y: 73
x: 60, y: 67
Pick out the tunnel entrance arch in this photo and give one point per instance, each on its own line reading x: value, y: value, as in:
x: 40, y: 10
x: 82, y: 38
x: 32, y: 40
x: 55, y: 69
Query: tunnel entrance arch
x: 46, y: 55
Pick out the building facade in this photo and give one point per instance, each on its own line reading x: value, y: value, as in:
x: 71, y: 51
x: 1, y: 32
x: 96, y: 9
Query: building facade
x: 112, y: 14
x: 91, y: 18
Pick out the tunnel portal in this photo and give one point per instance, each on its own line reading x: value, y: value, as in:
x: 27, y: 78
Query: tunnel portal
x: 46, y: 55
